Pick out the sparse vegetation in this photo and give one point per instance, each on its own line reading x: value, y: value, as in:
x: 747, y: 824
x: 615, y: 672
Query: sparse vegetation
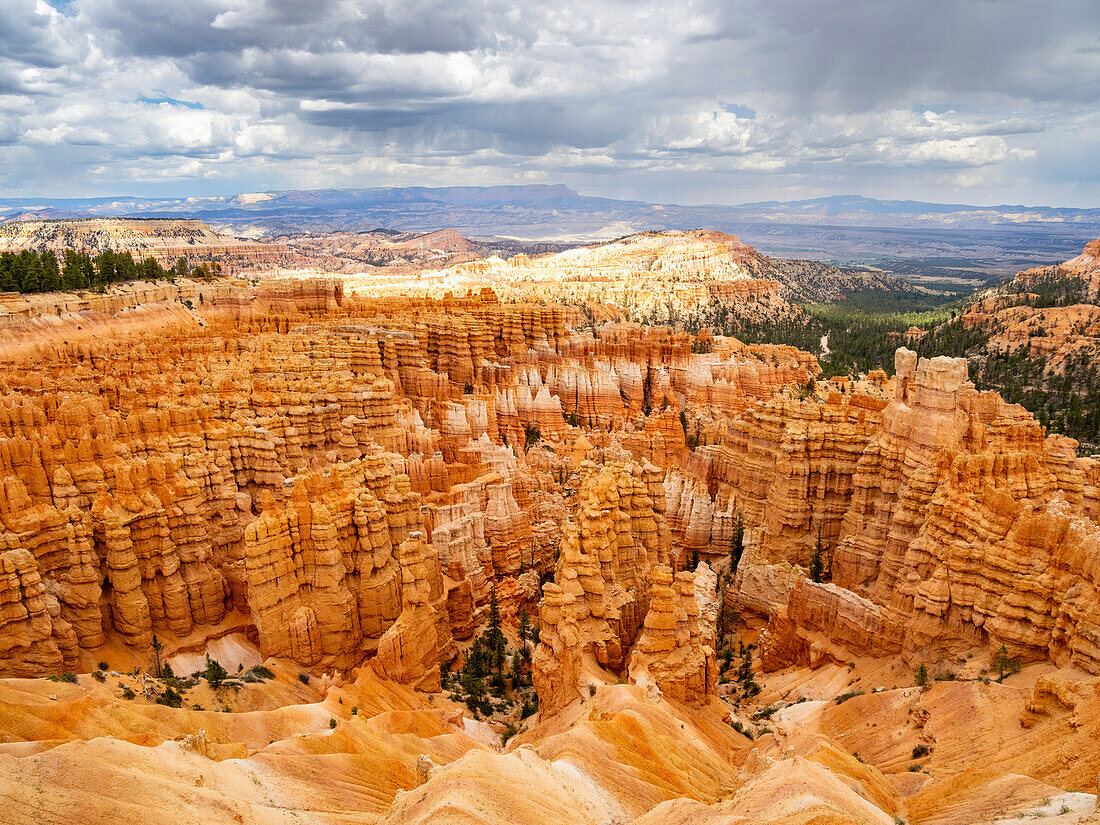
x: 484, y: 684
x: 214, y: 674
x: 170, y: 697
x: 1004, y: 664
x: 738, y: 726
x: 844, y: 697
x: 257, y: 673
x: 156, y: 663
x: 531, y: 436
x: 817, y: 560
x: 745, y: 677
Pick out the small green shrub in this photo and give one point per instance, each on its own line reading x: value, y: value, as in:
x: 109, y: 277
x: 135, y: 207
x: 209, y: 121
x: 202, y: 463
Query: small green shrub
x: 530, y: 707
x: 921, y: 679
x: 99, y: 676
x: 919, y: 751
x: 914, y: 768
x: 332, y: 723
x: 215, y: 674
x: 303, y: 678
x: 64, y: 677
x: 103, y: 666
x: 128, y: 694
x: 844, y: 697
x: 171, y: 697
x: 740, y: 728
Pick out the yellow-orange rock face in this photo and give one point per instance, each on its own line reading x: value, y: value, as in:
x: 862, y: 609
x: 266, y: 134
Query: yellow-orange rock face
x: 675, y: 650
x: 178, y: 459
x: 948, y: 521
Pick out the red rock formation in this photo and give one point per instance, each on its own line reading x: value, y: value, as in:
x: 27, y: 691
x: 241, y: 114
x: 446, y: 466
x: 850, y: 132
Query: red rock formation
x: 676, y: 648
x: 960, y: 532
x: 410, y: 651
x: 600, y: 593
x: 269, y: 451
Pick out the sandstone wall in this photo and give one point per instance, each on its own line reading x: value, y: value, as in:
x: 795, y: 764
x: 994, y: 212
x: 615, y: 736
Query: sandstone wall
x: 948, y: 521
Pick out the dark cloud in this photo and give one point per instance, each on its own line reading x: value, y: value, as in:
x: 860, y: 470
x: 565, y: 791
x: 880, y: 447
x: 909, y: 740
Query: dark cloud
x: 702, y: 100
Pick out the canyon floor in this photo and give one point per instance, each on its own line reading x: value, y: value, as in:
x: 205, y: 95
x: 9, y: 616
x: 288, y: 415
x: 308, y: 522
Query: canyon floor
x: 469, y: 545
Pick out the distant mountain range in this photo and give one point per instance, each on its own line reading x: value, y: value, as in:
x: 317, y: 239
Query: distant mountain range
x: 929, y: 240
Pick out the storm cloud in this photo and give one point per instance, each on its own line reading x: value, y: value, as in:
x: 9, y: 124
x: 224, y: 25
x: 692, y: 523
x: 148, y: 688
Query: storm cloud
x: 989, y: 101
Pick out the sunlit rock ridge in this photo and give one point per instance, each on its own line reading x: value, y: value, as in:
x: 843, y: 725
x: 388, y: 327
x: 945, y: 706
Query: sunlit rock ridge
x: 479, y: 548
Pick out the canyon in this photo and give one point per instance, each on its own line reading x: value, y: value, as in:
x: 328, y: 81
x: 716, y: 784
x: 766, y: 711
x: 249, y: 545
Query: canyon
x: 717, y: 587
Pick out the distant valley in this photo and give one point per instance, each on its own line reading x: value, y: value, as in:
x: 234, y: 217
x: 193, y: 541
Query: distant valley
x: 935, y: 244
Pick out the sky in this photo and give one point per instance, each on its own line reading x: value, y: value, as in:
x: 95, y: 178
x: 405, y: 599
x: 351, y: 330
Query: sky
x: 962, y: 101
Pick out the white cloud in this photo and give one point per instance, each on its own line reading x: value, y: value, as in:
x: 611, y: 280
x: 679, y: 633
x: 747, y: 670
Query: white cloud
x: 899, y: 98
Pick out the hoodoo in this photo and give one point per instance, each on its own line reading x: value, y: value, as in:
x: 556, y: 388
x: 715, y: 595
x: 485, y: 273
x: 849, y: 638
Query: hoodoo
x: 371, y: 552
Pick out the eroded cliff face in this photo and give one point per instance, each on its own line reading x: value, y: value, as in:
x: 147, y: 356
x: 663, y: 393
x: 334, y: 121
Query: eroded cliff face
x: 1049, y: 312
x: 966, y: 527
x: 601, y: 589
x: 165, y: 239
x: 258, y: 459
x: 341, y: 485
x: 675, y: 651
x: 947, y: 519
x: 787, y: 466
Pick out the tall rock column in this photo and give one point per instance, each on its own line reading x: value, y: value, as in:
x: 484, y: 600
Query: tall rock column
x: 409, y: 652
x: 676, y: 648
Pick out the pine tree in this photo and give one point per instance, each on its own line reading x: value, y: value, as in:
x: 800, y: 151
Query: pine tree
x: 496, y: 633
x: 157, y: 662
x: 517, y: 670
x: 817, y: 561
x: 922, y: 676
x: 737, y: 542
x: 1002, y: 663
x: 744, y: 670
x: 524, y: 626
x: 531, y: 436
x: 51, y: 273
x: 215, y: 673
